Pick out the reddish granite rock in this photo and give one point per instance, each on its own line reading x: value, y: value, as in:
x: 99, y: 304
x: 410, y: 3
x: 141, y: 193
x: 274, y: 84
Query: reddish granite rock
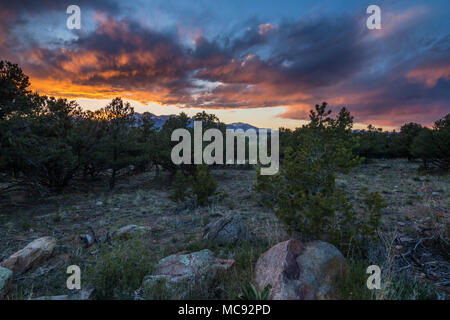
x: 299, y: 271
x: 34, y: 253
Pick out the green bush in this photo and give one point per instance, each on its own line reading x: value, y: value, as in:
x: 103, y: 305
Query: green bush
x: 353, y: 286
x: 407, y: 287
x: 372, y: 203
x: 249, y: 292
x: 374, y: 143
x: 180, y: 187
x: 204, y: 185
x: 117, y: 271
x: 433, y: 146
x: 201, y: 186
x: 304, y: 194
x: 408, y: 132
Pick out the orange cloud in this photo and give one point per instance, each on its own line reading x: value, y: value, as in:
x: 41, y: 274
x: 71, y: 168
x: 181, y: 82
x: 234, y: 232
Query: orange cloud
x: 265, y: 28
x: 293, y: 65
x: 429, y: 75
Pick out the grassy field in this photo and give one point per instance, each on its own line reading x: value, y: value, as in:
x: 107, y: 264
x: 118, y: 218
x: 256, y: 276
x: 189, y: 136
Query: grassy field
x: 413, y: 240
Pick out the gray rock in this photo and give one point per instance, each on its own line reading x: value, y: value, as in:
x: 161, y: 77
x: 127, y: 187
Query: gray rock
x: 300, y: 272
x: 5, y: 281
x: 180, y: 276
x: 229, y: 230
x: 88, y: 239
x: 129, y: 230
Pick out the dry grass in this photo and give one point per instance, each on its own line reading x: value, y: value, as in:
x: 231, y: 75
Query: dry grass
x: 418, y: 208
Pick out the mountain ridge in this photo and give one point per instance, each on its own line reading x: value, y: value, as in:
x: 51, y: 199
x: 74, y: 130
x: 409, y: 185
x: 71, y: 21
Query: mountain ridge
x: 161, y: 119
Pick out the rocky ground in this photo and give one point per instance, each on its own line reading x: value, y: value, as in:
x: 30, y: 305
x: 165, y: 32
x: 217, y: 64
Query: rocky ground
x: 415, y: 223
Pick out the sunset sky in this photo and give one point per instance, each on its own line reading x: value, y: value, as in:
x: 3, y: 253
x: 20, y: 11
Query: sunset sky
x: 261, y: 62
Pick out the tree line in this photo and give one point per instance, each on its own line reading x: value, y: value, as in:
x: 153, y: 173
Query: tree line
x: 430, y: 146
x: 49, y: 141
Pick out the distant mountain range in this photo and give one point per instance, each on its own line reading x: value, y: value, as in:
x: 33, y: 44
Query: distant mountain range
x: 160, y: 120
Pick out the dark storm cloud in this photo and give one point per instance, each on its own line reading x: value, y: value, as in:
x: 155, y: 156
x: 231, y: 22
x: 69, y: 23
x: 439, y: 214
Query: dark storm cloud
x: 34, y: 7
x: 123, y: 55
x: 293, y: 64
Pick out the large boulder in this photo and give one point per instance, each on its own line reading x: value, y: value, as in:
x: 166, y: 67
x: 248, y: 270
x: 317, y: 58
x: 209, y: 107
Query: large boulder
x: 321, y: 264
x: 180, y: 276
x: 127, y: 231
x: 278, y: 267
x: 299, y: 271
x: 228, y: 230
x: 5, y: 281
x: 34, y: 253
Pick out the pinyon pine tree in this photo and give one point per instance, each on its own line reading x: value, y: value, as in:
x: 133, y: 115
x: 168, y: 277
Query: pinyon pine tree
x: 304, y: 193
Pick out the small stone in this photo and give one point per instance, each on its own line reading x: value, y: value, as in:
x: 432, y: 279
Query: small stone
x: 130, y: 229
x: 88, y: 239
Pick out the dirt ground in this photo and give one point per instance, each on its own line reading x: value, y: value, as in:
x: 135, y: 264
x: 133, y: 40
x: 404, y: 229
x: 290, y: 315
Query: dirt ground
x: 416, y: 220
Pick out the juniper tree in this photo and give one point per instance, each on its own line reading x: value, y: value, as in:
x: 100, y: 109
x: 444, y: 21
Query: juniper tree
x: 432, y: 146
x: 145, y: 138
x: 46, y: 152
x: 408, y: 132
x: 204, y: 185
x: 162, y: 148
x: 118, y: 147
x: 16, y: 103
x: 304, y: 193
